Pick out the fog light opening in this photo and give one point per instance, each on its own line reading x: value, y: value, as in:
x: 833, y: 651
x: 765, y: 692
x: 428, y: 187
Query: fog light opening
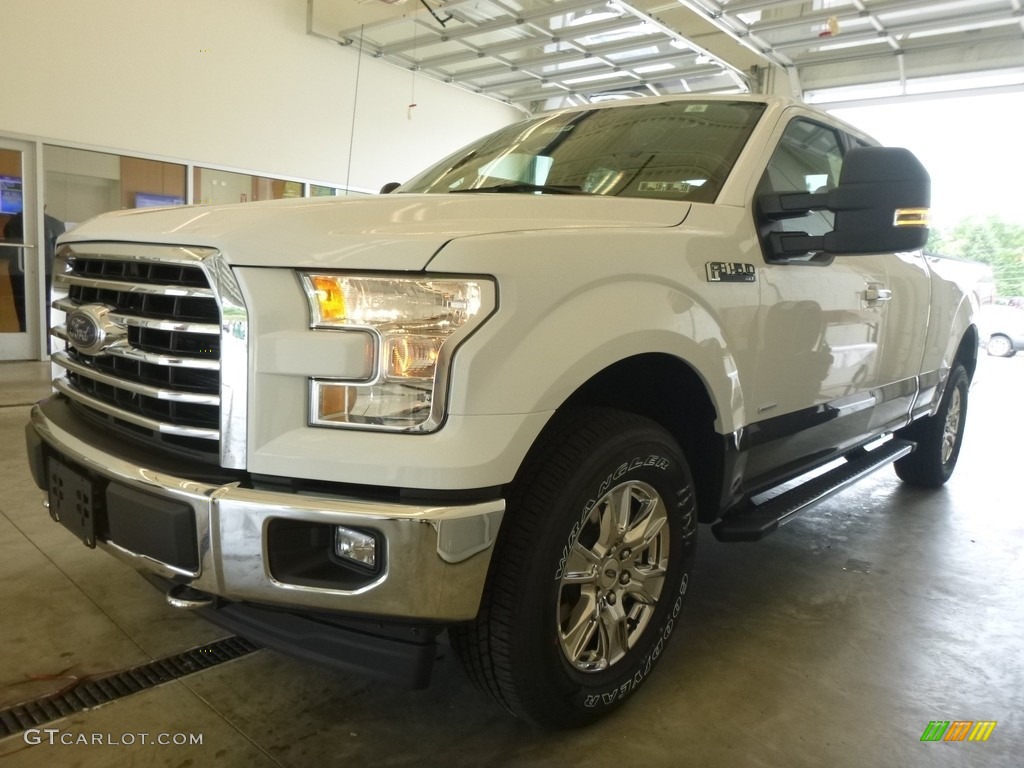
x: 355, y: 547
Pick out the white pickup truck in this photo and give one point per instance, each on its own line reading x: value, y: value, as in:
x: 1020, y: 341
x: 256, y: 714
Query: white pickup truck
x: 498, y: 401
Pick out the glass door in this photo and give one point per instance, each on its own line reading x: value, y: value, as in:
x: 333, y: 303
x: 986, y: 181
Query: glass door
x: 22, y: 261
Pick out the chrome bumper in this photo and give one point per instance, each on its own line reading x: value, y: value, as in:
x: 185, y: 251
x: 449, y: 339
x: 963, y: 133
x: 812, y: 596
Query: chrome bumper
x: 435, y: 557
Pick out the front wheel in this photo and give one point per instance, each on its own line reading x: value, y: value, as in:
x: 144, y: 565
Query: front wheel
x: 938, y: 437
x: 591, y: 570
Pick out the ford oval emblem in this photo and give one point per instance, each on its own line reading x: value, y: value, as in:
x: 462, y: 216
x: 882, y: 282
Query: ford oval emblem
x: 83, y: 330
x: 91, y: 330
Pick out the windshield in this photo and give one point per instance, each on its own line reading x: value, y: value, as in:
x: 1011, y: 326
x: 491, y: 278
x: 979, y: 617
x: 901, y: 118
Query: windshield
x: 673, y: 150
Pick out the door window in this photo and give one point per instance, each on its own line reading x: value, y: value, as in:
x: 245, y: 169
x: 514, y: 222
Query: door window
x: 12, y: 260
x: 808, y: 159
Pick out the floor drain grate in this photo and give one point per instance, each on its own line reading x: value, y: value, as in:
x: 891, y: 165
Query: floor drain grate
x: 93, y: 692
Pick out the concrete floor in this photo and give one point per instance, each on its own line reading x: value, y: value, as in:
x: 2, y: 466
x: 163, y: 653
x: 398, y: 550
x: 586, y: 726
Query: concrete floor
x: 832, y: 643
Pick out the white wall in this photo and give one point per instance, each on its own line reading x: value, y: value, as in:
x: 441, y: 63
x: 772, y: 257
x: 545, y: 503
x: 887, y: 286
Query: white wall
x: 234, y: 83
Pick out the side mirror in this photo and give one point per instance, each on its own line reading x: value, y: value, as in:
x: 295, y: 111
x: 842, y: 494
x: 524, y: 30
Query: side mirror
x: 880, y: 205
x: 390, y: 187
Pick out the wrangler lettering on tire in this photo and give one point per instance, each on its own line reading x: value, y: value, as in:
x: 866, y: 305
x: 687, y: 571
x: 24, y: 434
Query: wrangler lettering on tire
x: 591, y: 571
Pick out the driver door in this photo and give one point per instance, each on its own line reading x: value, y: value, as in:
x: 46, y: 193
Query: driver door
x: 832, y: 366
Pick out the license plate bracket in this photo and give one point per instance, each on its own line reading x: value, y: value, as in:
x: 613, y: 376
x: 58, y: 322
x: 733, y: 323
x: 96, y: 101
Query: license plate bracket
x: 72, y: 501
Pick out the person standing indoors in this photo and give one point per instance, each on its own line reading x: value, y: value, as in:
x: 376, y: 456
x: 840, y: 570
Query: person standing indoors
x: 14, y: 229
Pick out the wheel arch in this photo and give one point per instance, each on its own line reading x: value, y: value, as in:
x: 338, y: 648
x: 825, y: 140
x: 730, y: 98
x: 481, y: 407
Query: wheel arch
x: 669, y: 392
x: 967, y: 351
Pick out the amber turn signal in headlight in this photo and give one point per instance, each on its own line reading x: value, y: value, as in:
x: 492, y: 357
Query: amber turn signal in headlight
x: 330, y: 299
x: 418, y: 323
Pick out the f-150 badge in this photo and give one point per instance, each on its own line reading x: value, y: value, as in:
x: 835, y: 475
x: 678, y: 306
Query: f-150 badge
x: 731, y: 272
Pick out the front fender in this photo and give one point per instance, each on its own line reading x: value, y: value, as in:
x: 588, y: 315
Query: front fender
x: 596, y: 305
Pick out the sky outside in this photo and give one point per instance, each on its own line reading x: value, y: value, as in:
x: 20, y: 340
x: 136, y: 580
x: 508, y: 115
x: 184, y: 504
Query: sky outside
x: 971, y: 146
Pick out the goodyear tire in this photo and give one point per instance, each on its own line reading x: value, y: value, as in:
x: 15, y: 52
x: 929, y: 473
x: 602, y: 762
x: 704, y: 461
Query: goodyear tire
x: 938, y: 437
x: 591, y: 571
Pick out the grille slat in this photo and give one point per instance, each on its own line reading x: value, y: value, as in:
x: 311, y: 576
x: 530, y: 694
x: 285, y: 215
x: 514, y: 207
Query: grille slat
x: 158, y: 289
x: 109, y: 406
x: 133, y: 381
x: 135, y: 321
x: 160, y: 370
x: 165, y: 361
x: 164, y: 325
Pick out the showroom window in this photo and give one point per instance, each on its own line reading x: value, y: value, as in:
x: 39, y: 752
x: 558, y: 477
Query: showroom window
x: 215, y: 187
x: 80, y: 184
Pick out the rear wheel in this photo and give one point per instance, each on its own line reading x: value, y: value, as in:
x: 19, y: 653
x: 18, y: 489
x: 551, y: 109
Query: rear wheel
x: 938, y: 437
x: 590, y: 573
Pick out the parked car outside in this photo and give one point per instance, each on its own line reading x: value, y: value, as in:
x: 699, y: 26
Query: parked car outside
x: 1003, y: 327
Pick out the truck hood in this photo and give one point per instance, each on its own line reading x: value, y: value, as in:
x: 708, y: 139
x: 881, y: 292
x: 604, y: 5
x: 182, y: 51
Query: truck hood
x: 393, y: 232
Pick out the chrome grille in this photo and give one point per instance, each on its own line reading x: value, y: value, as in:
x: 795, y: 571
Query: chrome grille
x: 140, y: 331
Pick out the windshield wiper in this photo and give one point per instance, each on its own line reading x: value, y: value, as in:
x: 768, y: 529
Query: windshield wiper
x: 522, y: 186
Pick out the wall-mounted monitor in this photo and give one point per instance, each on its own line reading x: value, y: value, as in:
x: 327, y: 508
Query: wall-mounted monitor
x: 149, y: 200
x: 10, y: 194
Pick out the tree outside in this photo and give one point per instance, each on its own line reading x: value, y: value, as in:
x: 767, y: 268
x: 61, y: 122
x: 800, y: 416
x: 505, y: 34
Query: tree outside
x: 991, y: 241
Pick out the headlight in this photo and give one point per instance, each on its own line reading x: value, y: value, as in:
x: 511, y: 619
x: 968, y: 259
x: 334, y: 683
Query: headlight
x: 417, y: 324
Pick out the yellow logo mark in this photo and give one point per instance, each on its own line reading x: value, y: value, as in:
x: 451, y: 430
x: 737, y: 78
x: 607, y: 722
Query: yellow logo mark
x: 982, y: 730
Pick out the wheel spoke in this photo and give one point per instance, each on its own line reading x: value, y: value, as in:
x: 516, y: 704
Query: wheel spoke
x: 646, y: 583
x: 581, y: 566
x: 647, y: 526
x: 615, y: 515
x: 614, y: 632
x: 581, y: 626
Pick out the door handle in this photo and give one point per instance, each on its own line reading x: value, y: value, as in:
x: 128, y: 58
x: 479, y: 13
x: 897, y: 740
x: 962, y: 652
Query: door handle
x: 21, y: 248
x: 876, y: 293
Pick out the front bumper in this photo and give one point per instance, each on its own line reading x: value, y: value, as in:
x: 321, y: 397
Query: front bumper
x: 435, y: 557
